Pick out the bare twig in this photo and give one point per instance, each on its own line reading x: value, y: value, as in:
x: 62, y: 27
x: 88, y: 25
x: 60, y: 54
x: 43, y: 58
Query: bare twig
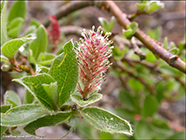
x: 137, y: 51
x: 172, y: 60
x: 19, y: 67
x: 152, y: 67
x: 133, y: 16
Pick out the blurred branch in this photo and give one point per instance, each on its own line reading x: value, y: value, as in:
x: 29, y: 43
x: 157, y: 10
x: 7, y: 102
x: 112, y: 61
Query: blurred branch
x: 152, y: 67
x: 69, y: 8
x: 172, y: 60
x: 131, y: 73
x: 133, y: 16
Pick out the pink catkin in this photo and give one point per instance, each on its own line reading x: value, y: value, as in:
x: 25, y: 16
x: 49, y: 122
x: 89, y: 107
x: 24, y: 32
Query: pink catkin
x: 93, y: 54
x: 53, y: 32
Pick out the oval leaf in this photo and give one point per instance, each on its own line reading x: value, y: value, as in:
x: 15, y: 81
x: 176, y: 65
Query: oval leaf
x: 18, y: 9
x: 129, y: 101
x: 40, y: 43
x: 22, y: 115
x: 3, y: 34
x: 65, y: 71
x: 28, y: 98
x: 15, y: 27
x: 150, y: 106
x: 4, y: 59
x: 142, y: 131
x: 106, y: 121
x: 49, y: 120
x: 10, y: 47
x: 45, y: 59
x: 11, y: 97
x: 72, y: 122
x: 92, y: 99
x: 34, y: 85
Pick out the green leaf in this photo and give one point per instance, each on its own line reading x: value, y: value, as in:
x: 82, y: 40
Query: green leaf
x: 15, y: 27
x: 3, y: 34
x: 150, y: 106
x: 134, y: 27
x: 129, y: 101
x: 160, y: 88
x: 10, y: 47
x: 18, y: 9
x: 34, y: 85
x: 22, y: 115
x: 11, y: 97
x: 153, y: 6
x: 15, y: 132
x: 4, y: 59
x: 39, y: 45
x: 104, y: 23
x: 72, y: 122
x: 160, y: 128
x: 140, y: 6
x: 45, y: 59
x: 35, y: 22
x: 142, y: 131
x: 125, y: 113
x: 92, y: 99
x: 156, y: 33
x: 41, y: 69
x: 49, y: 120
x: 65, y: 71
x: 177, y: 136
x: 174, y: 51
x: 165, y: 42
x: 106, y: 121
x: 30, y: 29
x: 135, y: 85
x: 3, y: 129
x: 111, y: 23
x: 51, y: 90
x: 127, y: 33
x: 4, y: 108
x: 29, y: 98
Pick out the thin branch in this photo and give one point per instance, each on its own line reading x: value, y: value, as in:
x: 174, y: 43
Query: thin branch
x: 137, y: 51
x: 131, y: 73
x: 69, y: 8
x: 152, y: 67
x: 19, y: 67
x: 133, y: 16
x: 172, y: 60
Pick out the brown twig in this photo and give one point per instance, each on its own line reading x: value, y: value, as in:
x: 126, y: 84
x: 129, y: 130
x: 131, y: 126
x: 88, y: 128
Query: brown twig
x: 19, y: 67
x: 137, y: 51
x: 133, y: 16
x: 172, y: 60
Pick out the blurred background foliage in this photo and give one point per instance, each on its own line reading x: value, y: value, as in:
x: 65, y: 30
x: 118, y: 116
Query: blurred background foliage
x: 148, y: 93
